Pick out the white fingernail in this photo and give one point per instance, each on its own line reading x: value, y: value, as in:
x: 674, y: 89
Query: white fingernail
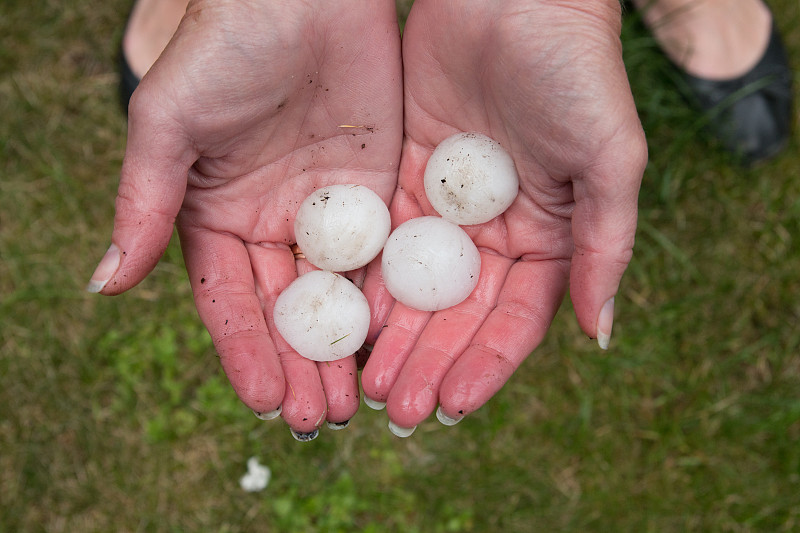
x: 400, y: 431
x: 105, y: 270
x: 446, y: 420
x: 374, y: 404
x: 605, y: 321
x: 269, y: 415
x: 304, y: 437
x: 336, y: 426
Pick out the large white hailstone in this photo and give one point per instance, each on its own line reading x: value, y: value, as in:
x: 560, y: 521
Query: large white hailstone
x: 470, y: 179
x: 323, y: 316
x: 430, y: 264
x: 342, y: 227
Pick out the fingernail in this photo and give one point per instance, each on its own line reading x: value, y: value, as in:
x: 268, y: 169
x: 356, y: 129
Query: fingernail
x: 605, y: 321
x: 446, y: 420
x: 269, y: 415
x: 336, y: 426
x: 105, y: 270
x: 304, y: 437
x: 374, y: 404
x: 399, y: 431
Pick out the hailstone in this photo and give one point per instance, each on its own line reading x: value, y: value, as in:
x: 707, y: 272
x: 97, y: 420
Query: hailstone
x: 323, y: 316
x: 470, y: 179
x: 342, y: 227
x: 430, y: 264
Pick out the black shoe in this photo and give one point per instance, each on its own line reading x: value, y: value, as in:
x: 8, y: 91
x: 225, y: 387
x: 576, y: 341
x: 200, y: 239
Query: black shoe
x: 751, y: 115
x: 128, y: 81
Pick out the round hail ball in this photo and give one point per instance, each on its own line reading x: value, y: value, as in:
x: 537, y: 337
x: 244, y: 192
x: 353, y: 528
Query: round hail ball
x: 342, y: 227
x: 470, y: 179
x: 430, y: 264
x: 323, y: 316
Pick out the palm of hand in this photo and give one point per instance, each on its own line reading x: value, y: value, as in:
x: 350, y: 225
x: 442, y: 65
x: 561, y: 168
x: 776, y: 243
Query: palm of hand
x: 525, y: 84
x: 287, y: 114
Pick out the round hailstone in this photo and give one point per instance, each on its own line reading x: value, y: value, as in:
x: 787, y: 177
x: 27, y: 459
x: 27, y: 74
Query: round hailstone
x: 429, y: 264
x: 323, y: 316
x: 470, y: 179
x: 342, y: 227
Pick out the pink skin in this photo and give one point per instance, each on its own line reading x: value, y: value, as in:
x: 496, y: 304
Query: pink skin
x: 546, y: 80
x: 230, y: 157
x: 235, y: 124
x: 712, y: 39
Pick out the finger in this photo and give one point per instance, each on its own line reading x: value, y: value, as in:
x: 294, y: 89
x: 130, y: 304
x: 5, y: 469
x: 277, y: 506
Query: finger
x: 379, y: 299
x: 303, y: 405
x: 449, y: 332
x: 530, y: 297
x: 394, y: 327
x: 340, y: 383
x: 224, y: 293
x: 339, y: 378
x: 151, y: 190
x: 392, y: 348
x: 603, y: 229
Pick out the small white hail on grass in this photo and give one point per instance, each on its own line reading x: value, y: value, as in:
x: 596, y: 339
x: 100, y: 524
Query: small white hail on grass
x: 257, y: 476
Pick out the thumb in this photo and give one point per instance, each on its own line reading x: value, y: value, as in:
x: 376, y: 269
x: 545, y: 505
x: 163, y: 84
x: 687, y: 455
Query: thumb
x: 151, y: 190
x: 603, y: 229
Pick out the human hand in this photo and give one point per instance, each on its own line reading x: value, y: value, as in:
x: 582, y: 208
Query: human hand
x: 251, y: 107
x: 547, y: 81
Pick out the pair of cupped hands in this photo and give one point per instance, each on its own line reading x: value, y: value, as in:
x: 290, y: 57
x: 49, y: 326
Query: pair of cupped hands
x: 254, y: 104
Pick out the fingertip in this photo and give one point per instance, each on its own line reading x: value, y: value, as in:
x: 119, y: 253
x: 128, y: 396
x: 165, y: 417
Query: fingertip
x: 134, y: 252
x: 253, y: 370
x: 605, y: 322
x: 304, y: 403
x: 304, y: 420
x: 304, y: 436
x: 594, y: 282
x: 337, y: 426
x: 374, y: 404
x: 105, y: 270
x: 261, y: 393
x: 409, y: 407
x: 268, y: 415
x: 465, y: 389
x: 374, y: 385
x: 340, y: 384
x: 447, y: 420
x: 401, y: 431
x: 457, y: 404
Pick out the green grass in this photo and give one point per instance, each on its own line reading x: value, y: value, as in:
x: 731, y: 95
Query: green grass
x: 114, y: 414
